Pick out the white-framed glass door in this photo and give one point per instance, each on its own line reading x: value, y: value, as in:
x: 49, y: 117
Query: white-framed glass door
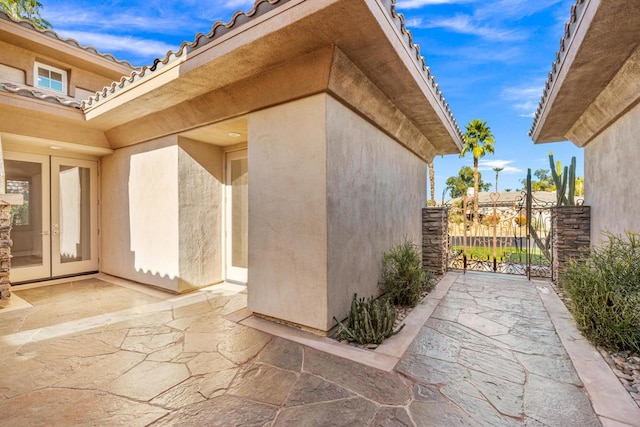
x: 237, y: 216
x: 55, y: 232
x: 28, y: 174
x: 74, y: 216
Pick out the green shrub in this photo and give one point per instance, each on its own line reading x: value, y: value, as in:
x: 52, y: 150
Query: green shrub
x: 403, y: 278
x: 370, y: 321
x: 604, y: 287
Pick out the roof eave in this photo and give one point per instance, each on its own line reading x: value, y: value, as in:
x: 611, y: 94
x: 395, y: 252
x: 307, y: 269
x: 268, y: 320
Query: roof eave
x: 598, y: 39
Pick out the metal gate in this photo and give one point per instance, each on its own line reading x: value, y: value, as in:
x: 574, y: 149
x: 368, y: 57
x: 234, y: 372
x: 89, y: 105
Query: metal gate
x: 511, y: 233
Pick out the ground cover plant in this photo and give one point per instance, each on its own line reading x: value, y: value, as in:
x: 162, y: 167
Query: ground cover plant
x: 370, y: 321
x: 404, y: 283
x: 403, y: 278
x: 604, y: 291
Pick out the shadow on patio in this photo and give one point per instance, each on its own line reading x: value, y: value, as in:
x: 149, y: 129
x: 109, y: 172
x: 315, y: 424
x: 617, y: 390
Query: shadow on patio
x: 94, y: 352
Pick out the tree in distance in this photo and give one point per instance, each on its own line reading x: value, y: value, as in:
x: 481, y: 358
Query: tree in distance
x: 26, y: 10
x: 458, y: 185
x: 478, y: 140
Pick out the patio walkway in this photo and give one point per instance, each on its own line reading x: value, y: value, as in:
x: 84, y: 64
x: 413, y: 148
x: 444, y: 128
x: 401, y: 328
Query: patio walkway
x: 95, y: 353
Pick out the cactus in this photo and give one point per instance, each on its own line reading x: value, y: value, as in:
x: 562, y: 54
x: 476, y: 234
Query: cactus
x: 370, y: 321
x: 565, y: 181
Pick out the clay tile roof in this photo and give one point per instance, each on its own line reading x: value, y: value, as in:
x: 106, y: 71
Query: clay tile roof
x: 261, y: 7
x: 569, y: 31
x: 219, y: 28
x: 31, y: 92
x: 399, y: 18
x: 69, y: 41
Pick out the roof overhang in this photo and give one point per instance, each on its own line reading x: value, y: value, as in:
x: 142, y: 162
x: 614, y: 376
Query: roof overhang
x: 368, y: 32
x: 599, y: 41
x: 48, y: 43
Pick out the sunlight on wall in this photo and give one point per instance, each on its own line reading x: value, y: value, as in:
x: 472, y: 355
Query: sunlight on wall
x: 153, y: 211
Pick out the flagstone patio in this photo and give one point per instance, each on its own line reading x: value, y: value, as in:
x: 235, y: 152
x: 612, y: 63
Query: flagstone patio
x: 90, y: 352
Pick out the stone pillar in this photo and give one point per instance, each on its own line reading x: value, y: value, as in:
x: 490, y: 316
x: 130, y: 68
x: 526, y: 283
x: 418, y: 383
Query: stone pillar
x: 6, y: 201
x: 435, y: 230
x: 571, y: 227
x: 5, y: 253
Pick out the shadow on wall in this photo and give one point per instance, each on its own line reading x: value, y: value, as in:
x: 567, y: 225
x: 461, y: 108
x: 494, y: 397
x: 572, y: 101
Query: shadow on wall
x: 162, y: 213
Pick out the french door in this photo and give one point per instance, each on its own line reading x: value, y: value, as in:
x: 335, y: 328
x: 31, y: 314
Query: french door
x: 55, y: 232
x: 237, y: 216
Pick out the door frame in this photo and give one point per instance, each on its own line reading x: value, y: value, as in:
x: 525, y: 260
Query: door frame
x: 59, y: 268
x: 51, y: 267
x: 43, y: 271
x: 232, y: 274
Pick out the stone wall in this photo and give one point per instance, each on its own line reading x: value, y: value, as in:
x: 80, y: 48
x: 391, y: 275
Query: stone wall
x: 571, y: 236
x: 5, y: 253
x: 434, y: 239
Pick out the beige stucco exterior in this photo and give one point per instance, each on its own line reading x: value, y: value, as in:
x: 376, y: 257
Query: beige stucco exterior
x: 161, y: 214
x: 338, y: 123
x: 610, y: 161
x: 592, y: 99
x: 362, y: 194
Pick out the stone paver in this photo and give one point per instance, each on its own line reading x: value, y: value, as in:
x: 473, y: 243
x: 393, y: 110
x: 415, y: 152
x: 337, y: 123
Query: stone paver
x: 491, y: 351
x: 487, y: 356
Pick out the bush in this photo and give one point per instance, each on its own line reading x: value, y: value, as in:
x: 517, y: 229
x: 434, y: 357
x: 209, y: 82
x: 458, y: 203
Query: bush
x: 604, y: 287
x: 403, y: 278
x: 370, y: 321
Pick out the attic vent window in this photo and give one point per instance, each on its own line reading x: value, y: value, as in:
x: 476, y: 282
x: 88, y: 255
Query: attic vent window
x: 51, y: 78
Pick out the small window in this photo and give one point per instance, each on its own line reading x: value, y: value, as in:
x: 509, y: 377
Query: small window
x: 20, y: 215
x: 51, y: 78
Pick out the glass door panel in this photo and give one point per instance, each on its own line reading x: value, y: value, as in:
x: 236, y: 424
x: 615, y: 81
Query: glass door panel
x: 73, y: 216
x: 28, y: 174
x: 237, y: 223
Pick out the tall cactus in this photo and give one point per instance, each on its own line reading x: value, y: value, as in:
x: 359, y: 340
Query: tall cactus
x: 565, y: 182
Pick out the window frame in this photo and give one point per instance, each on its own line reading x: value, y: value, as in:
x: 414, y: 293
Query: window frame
x: 29, y: 225
x: 49, y: 68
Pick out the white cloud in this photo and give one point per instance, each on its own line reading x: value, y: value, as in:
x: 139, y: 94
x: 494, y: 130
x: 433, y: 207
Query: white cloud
x: 466, y: 24
x: 488, y: 165
x: 513, y: 9
x: 415, y: 4
x: 108, y: 43
x: 524, y: 98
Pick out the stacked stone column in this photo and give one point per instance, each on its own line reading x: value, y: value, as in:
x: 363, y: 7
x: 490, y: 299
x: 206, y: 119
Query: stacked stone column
x: 435, y: 224
x: 5, y: 253
x: 571, y: 236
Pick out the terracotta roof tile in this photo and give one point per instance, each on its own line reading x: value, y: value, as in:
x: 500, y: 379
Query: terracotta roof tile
x: 31, y: 92
x: 569, y: 31
x: 69, y: 41
x: 219, y: 28
x: 239, y: 18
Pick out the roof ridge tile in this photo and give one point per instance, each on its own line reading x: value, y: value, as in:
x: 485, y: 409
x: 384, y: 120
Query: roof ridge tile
x: 72, y: 42
x: 31, y: 92
x: 569, y: 32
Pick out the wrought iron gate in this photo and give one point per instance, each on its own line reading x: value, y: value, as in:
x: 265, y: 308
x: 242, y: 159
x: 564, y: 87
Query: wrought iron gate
x: 510, y: 234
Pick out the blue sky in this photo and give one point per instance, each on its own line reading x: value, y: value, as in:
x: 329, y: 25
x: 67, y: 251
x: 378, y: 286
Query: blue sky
x: 490, y: 57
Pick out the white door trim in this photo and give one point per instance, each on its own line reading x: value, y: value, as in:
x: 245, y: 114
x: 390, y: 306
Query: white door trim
x: 233, y: 274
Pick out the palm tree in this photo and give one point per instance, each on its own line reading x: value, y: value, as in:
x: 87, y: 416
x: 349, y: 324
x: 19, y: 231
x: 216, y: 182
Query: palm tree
x: 497, y: 171
x: 432, y: 184
x: 27, y: 10
x: 478, y: 140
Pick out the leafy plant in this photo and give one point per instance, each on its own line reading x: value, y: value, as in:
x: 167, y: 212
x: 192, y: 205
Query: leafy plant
x: 604, y: 287
x: 403, y: 278
x: 370, y: 321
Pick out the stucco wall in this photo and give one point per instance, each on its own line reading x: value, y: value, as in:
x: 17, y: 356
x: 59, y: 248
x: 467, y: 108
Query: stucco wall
x: 611, y: 160
x: 287, y: 275
x: 200, y: 213
x: 156, y: 197
x: 328, y: 194
x: 376, y: 189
